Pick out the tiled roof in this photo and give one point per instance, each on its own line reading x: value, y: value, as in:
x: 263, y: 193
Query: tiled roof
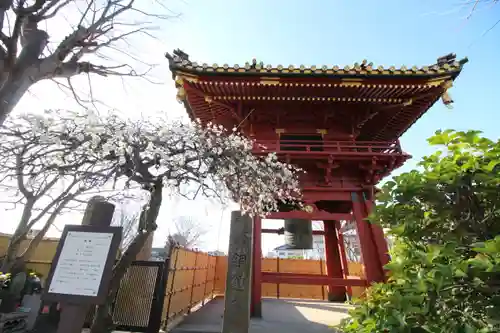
x: 397, y: 96
x: 283, y: 247
x: 179, y: 61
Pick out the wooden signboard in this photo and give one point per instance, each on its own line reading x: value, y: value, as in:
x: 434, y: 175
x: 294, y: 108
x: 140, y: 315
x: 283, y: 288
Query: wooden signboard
x: 83, y: 264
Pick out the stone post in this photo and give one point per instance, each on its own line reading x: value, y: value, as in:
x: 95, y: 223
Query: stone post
x: 98, y: 212
x: 239, y: 278
x: 147, y: 249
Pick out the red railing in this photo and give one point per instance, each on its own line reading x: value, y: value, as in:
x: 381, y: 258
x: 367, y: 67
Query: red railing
x: 329, y: 147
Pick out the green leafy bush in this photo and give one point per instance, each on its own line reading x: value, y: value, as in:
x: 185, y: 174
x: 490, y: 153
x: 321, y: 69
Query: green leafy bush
x: 445, y: 268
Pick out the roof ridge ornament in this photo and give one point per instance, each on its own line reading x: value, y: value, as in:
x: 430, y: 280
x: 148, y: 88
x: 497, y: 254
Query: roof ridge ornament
x: 255, y: 65
x: 446, y: 59
x: 448, y: 64
x: 178, y: 56
x: 365, y: 64
x: 450, y: 59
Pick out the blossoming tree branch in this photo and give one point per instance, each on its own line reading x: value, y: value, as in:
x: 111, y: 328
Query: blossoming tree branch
x: 42, y: 176
x: 152, y: 154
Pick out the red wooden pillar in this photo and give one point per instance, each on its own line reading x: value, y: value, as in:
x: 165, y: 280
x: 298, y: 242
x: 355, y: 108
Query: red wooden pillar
x: 333, y: 262
x: 373, y: 267
x: 378, y: 236
x: 343, y: 256
x: 256, y: 301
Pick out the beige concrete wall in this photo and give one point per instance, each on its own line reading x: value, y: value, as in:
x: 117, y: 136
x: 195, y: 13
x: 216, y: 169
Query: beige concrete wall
x: 41, y: 258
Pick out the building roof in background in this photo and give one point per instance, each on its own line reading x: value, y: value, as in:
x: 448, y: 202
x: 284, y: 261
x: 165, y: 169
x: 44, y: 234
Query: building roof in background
x: 283, y: 247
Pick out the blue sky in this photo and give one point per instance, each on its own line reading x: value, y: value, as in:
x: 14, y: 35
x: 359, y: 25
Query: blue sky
x: 390, y: 32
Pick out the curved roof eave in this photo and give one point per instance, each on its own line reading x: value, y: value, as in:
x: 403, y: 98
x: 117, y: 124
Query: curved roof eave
x: 447, y: 65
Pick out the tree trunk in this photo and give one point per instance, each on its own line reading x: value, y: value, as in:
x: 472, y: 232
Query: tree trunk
x: 41, y: 234
x: 12, y: 251
x: 11, y: 93
x: 149, y: 216
x: 36, y: 240
x: 22, y: 230
x: 103, y: 320
x: 17, y: 238
x: 10, y: 256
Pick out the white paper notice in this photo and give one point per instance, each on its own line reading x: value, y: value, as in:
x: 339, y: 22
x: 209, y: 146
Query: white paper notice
x: 81, y: 263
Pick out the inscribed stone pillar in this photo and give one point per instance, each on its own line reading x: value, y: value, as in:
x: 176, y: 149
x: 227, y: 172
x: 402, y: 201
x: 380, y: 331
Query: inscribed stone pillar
x: 239, y: 270
x: 98, y: 212
x: 145, y: 253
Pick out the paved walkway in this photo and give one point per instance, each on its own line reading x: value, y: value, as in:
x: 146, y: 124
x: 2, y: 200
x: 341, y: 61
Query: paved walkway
x: 279, y: 316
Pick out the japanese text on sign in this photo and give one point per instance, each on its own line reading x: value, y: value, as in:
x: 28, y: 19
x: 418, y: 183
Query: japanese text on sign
x: 81, y: 263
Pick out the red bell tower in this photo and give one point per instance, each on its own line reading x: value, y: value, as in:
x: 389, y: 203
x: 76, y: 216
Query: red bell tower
x: 340, y: 124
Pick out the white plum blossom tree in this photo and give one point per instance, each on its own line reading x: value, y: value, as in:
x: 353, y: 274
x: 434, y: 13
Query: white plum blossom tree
x: 158, y: 154
x: 43, y: 176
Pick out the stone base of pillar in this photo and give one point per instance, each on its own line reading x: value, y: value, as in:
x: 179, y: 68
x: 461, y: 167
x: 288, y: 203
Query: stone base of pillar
x: 13, y: 322
x: 256, y: 311
x: 336, y: 297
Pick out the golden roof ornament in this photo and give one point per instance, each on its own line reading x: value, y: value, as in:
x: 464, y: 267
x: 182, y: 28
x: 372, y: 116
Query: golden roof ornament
x: 445, y: 97
x: 308, y: 209
x: 181, y: 94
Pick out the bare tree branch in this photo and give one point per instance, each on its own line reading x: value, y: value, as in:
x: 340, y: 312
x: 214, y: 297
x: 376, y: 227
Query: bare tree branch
x: 90, y: 46
x: 476, y: 5
x: 189, y: 232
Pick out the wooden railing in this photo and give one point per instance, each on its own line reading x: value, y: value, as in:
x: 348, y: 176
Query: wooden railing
x: 329, y: 147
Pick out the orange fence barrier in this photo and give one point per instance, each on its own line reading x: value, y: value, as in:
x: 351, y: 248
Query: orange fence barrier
x: 191, y: 280
x: 298, y: 266
x: 195, y: 277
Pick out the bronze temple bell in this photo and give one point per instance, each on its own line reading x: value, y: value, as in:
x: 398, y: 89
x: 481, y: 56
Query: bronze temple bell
x: 298, y: 234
